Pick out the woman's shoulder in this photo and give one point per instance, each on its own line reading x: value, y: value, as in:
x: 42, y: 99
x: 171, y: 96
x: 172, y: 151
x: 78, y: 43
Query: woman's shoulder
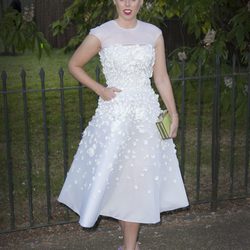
x: 101, y: 30
x: 103, y: 26
x: 150, y: 31
x: 149, y: 27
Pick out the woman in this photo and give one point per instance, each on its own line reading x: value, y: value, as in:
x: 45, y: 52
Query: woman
x: 122, y: 168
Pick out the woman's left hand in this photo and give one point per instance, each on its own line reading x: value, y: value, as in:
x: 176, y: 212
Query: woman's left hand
x: 174, y: 127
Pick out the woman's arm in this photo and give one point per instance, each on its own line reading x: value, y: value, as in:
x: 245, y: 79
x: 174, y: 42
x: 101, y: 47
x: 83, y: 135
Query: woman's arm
x: 87, y: 50
x: 163, y: 84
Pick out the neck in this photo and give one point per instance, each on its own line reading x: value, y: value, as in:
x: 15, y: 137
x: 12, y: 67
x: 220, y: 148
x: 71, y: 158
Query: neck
x: 127, y: 23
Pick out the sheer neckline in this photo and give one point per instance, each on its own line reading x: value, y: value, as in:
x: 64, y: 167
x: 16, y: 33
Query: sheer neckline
x: 119, y: 26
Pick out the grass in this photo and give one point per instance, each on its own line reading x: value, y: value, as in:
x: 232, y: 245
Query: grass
x: 51, y: 65
x: 32, y: 66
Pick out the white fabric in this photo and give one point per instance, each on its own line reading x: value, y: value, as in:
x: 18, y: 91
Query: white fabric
x: 122, y: 168
x: 111, y: 33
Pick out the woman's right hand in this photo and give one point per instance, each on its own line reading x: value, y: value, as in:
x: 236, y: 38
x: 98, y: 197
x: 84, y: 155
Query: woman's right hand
x: 109, y: 93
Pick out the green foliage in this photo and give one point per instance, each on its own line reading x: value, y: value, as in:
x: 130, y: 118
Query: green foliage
x: 220, y: 28
x: 84, y: 15
x: 229, y: 19
x: 19, y: 34
x: 231, y: 22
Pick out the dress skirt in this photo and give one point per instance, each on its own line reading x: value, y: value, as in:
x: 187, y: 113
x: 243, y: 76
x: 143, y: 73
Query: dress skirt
x: 122, y: 168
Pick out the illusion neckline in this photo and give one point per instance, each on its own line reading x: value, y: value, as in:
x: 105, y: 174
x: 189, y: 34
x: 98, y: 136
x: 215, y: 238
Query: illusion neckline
x: 119, y: 26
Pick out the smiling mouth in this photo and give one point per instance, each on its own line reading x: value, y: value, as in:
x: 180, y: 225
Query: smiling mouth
x: 127, y: 11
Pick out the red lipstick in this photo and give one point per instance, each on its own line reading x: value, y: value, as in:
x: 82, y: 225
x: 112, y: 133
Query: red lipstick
x: 127, y: 12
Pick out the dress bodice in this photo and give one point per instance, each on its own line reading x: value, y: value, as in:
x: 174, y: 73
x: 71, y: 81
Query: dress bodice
x: 127, y: 54
x: 127, y: 66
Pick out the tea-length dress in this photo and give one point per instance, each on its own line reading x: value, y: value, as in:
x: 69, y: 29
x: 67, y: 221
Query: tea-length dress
x: 122, y: 168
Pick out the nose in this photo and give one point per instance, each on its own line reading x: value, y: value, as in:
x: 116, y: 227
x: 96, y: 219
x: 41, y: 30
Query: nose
x: 127, y: 2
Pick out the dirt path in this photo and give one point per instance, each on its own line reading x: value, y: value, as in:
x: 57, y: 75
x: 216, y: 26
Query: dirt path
x: 198, y: 228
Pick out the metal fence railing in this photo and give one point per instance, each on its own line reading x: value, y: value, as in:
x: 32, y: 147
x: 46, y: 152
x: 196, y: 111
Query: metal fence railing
x: 40, y: 128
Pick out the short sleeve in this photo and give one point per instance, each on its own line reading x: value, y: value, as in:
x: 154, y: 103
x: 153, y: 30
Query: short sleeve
x: 97, y: 32
x: 158, y: 32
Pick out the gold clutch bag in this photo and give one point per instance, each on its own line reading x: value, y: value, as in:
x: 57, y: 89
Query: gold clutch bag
x: 163, y: 124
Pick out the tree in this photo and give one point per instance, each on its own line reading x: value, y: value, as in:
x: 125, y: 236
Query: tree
x: 219, y: 27
x: 18, y: 32
x: 48, y: 11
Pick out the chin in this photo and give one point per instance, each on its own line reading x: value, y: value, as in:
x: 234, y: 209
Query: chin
x: 128, y: 17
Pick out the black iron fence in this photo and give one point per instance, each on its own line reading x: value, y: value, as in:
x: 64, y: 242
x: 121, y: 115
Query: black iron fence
x: 41, y: 128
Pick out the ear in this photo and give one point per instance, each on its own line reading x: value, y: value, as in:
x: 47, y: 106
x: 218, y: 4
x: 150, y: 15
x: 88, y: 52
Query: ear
x: 142, y: 2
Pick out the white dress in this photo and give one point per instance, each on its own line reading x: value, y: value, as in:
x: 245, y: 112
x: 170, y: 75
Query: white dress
x: 122, y: 168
